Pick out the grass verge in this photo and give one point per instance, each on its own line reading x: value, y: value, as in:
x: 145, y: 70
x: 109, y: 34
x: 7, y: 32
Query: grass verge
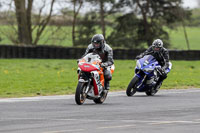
x: 32, y: 77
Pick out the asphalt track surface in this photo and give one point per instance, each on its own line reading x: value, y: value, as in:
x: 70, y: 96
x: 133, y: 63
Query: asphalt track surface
x: 169, y: 111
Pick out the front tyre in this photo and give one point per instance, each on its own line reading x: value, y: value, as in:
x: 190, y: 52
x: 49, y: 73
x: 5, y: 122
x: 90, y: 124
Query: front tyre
x: 102, y: 98
x: 80, y: 94
x: 131, y: 89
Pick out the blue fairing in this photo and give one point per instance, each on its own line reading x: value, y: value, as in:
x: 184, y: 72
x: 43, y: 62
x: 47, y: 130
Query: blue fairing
x: 148, y: 62
x: 145, y: 66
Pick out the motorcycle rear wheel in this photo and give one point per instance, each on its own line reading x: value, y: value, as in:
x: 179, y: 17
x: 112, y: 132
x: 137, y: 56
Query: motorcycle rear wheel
x: 80, y: 94
x: 102, y: 98
x: 131, y: 89
x: 154, y: 91
x: 151, y: 92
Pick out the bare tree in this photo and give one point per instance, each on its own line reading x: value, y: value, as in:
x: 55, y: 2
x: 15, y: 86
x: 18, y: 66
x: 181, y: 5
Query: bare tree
x: 102, y: 14
x: 42, y: 23
x: 23, y: 10
x: 144, y: 11
x: 103, y: 11
x: 10, y: 30
x: 182, y: 17
x: 23, y: 15
x: 75, y: 13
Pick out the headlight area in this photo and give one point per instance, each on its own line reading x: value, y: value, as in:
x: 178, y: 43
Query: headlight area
x: 138, y: 65
x: 148, y: 70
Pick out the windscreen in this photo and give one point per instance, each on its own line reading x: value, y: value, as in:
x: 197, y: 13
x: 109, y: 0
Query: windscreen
x: 147, y: 60
x: 92, y: 57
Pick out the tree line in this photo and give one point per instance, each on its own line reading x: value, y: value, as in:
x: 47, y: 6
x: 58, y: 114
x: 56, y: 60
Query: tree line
x: 134, y: 23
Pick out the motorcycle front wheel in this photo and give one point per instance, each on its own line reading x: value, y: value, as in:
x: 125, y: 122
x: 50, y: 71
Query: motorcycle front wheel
x: 80, y: 94
x: 102, y: 98
x: 131, y: 89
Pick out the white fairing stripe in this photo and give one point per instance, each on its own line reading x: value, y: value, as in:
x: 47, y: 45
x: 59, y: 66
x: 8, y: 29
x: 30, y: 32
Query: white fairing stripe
x: 170, y: 65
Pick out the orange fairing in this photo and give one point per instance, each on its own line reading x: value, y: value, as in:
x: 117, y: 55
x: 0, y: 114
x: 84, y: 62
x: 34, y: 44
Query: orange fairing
x: 101, y: 75
x: 112, y: 69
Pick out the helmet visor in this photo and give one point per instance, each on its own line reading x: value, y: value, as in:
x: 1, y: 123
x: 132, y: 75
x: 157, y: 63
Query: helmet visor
x: 96, y: 44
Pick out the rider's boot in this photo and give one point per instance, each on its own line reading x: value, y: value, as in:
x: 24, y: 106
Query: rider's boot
x: 160, y: 80
x: 158, y: 84
x: 107, y: 85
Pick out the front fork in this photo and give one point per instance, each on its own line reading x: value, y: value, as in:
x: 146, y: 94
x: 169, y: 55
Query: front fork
x: 88, y: 86
x: 139, y: 76
x: 142, y: 82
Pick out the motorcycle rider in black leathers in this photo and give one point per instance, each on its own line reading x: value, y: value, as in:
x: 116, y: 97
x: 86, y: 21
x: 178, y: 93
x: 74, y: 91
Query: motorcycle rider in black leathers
x: 162, y: 56
x: 99, y: 46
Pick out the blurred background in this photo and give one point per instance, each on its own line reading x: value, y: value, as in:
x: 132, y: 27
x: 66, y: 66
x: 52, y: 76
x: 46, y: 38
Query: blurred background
x: 124, y: 23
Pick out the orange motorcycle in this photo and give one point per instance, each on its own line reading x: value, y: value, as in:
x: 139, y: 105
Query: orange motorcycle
x: 91, y: 80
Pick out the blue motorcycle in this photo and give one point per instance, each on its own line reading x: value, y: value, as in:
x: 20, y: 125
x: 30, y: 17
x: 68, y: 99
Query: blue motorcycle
x: 147, y: 74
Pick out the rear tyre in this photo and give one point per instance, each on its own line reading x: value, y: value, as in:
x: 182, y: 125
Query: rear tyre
x: 153, y: 91
x: 102, y: 98
x: 80, y: 94
x: 131, y: 89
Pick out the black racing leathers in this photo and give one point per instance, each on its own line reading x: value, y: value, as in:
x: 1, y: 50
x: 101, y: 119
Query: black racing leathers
x: 162, y: 56
x: 106, y: 53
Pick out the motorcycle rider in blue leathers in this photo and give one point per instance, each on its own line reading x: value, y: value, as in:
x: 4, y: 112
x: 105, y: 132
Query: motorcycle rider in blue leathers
x: 162, y: 56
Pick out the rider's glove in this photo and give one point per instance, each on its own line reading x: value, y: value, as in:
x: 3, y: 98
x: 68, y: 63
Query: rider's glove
x: 104, y: 64
x: 138, y: 57
x: 162, y: 71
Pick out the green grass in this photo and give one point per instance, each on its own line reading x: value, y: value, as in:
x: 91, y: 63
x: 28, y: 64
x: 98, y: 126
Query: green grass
x: 36, y: 77
x: 62, y: 37
x: 23, y: 77
x: 177, y: 38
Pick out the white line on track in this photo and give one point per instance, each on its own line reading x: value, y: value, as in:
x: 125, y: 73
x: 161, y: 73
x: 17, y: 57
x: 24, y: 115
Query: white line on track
x: 64, y: 131
x: 110, y: 94
x: 152, y: 122
x: 120, y: 126
x: 172, y: 122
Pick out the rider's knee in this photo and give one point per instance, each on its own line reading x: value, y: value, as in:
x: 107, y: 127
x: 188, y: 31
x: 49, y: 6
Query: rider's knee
x: 164, y: 76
